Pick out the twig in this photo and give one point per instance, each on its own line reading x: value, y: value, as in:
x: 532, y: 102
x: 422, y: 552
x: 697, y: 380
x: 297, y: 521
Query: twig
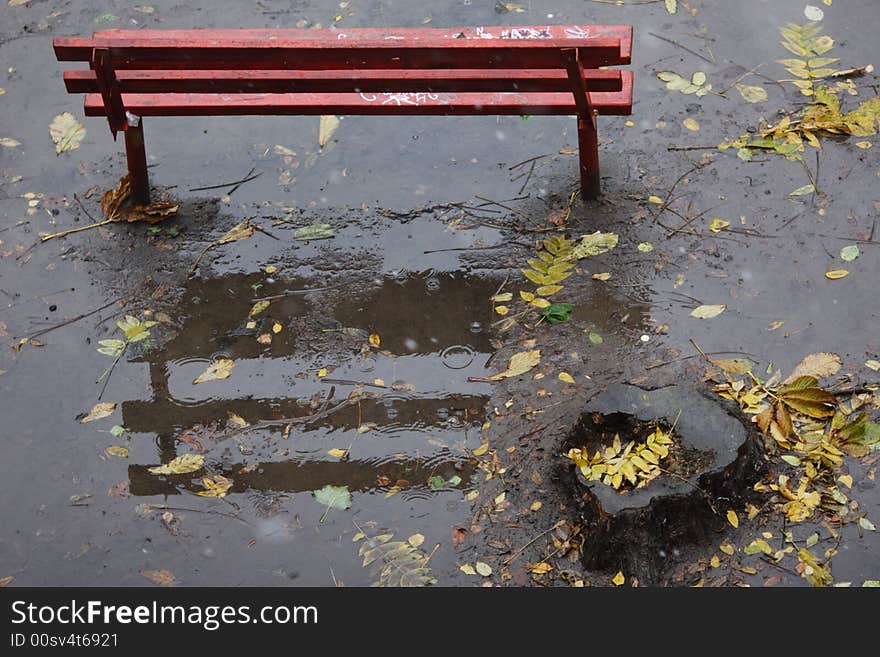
x: 236, y: 183
x: 70, y: 231
x: 531, y: 159
x: 683, y: 47
x: 210, y: 511
x: 105, y: 377
x: 347, y: 382
x: 702, y: 353
x: 541, y: 535
x: 71, y: 321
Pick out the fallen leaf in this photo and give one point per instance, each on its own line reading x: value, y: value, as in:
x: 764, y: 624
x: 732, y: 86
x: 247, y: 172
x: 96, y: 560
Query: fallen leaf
x: 117, y: 451
x: 375, y: 340
x: 836, y: 274
x: 594, y: 244
x: 236, y: 420
x: 482, y: 449
x: 540, y: 568
x: 183, y: 464
x: 708, y: 311
x: 9, y: 142
x: 240, y: 231
x: 618, y: 579
x: 467, y: 569
x: 866, y: 524
x: 873, y: 365
x: 645, y: 247
x: 338, y: 453
x: 733, y: 365
x: 333, y: 497
x: 732, y: 518
x: 864, y: 145
x: 520, y: 363
x: 277, y: 328
x: 817, y: 365
x: 671, y: 5
x: 220, y: 369
x: 314, y: 232
x: 813, y: 13
x: 566, y: 377
x: 791, y: 459
x: 265, y: 338
x: 416, y: 540
x: 752, y: 94
x: 215, y: 486
x: 326, y: 127
x: 691, y: 124
x: 502, y: 310
x: 535, y: 506
x: 846, y: 480
x: 604, y: 276
x: 715, y: 562
x: 800, y: 191
x: 483, y: 569
x: 717, y: 225
x: 5, y: 581
x: 656, y: 200
x: 160, y: 577
x: 849, y: 253
x: 66, y: 132
x: 727, y: 549
x: 323, y: 372
x: 99, y: 411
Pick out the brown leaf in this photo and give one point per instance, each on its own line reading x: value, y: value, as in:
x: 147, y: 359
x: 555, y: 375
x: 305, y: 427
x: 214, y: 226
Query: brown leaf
x: 783, y: 420
x: 160, y: 577
x: 5, y: 580
x: 112, y: 199
x: 151, y: 214
x: 458, y: 535
x: 814, y: 402
x: 764, y: 418
x: 733, y: 365
x: 819, y: 365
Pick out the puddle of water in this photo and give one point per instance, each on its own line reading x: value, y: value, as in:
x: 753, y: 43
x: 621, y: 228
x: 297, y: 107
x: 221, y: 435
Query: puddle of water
x: 404, y: 412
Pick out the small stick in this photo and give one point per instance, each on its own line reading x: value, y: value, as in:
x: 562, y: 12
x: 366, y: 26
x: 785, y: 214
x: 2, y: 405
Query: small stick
x: 216, y: 513
x: 676, y: 43
x: 542, y: 534
x: 531, y: 159
x: 70, y: 231
x: 237, y: 183
x: 71, y: 321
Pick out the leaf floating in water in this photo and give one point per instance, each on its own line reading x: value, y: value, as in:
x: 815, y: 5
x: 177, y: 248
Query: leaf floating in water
x: 708, y: 311
x: 99, y: 411
x: 326, y: 127
x: 483, y: 569
x: 801, y: 191
x: 645, y: 247
x: 238, y: 232
x: 691, y: 124
x: 592, y: 245
x: 66, y: 132
x: 717, y: 225
x: 817, y: 365
x: 557, y: 312
x: 752, y: 94
x: 117, y: 451
x: 671, y: 6
x: 217, y: 370
x: 160, y: 577
x: 314, y: 232
x: 566, y: 377
x: 183, y: 464
x: 215, y: 486
x: 619, y: 579
x: 395, y: 563
x: 9, y: 142
x: 732, y: 518
x: 849, y: 253
x: 836, y: 274
x: 695, y: 85
x: 333, y: 497
x: 519, y: 364
x: 813, y: 13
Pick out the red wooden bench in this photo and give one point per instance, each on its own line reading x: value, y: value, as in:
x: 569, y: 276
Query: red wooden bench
x: 551, y: 70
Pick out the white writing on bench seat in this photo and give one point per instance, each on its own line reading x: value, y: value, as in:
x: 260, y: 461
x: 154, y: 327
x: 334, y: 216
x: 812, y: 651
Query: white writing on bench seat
x: 401, y: 98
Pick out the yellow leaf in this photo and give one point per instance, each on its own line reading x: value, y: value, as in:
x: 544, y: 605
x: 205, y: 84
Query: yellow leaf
x: 541, y: 568
x: 326, y: 127
x: 618, y: 579
x: 691, y: 124
x: 708, y: 312
x: 66, y: 132
x: 752, y: 94
x: 322, y: 372
x: 846, y: 480
x: 482, y: 449
x: 604, y: 276
x: 526, y: 296
x: 535, y: 506
x: 656, y: 200
x: 873, y: 365
x: 715, y: 561
x: 865, y: 145
x: 236, y: 420
x: 379, y: 382
x: 775, y: 325
x: 717, y: 225
x: 501, y: 298
x: 727, y: 549
x: 548, y: 290
x: 276, y: 328
x: 540, y: 303
x: 215, y: 486
x: 375, y: 340
x: 732, y: 518
x: 520, y: 363
x: 250, y: 325
x: 258, y: 307
x: 117, y: 450
x: 565, y: 376
x: 183, y: 464
x: 752, y: 511
x: 271, y: 269
x: 99, y: 411
x: 836, y: 274
x: 338, y: 453
x: 416, y: 540
x: 502, y: 310
x: 220, y: 369
x: 467, y: 569
x: 483, y: 569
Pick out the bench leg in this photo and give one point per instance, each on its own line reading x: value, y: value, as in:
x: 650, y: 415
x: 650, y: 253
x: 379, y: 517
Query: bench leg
x: 137, y: 163
x: 588, y: 149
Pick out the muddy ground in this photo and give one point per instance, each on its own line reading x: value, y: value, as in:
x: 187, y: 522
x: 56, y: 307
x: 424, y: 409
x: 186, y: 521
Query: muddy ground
x: 407, y: 262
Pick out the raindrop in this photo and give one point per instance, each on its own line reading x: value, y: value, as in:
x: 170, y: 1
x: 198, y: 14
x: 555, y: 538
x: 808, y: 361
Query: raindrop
x: 411, y: 345
x: 432, y: 284
x: 457, y: 356
x: 476, y: 328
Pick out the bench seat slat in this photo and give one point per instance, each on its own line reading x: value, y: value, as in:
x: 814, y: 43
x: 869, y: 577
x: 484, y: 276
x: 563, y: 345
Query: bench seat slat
x: 243, y: 54
x: 612, y: 103
x: 377, y: 81
x: 79, y: 49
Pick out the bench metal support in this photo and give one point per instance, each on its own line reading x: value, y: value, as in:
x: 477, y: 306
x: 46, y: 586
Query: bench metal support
x: 136, y: 155
x: 588, y: 137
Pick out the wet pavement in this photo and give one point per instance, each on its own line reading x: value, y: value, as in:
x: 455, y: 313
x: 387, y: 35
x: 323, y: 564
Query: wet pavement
x: 421, y: 244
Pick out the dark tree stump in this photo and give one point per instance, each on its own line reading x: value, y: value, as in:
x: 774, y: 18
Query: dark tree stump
x: 716, y: 460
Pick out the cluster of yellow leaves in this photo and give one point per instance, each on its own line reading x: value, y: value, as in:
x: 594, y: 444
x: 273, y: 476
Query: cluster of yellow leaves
x: 806, y: 42
x: 620, y: 465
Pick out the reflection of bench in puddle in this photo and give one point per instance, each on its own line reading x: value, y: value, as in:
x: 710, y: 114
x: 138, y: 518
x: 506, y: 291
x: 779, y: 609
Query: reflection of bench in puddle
x: 411, y: 475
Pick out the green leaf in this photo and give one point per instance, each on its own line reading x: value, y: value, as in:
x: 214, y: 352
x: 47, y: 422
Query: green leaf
x: 436, y: 482
x: 591, y: 245
x: 801, y: 191
x: 595, y: 338
x: 117, y: 430
x: 752, y: 94
x: 557, y: 312
x: 112, y: 347
x: 314, y: 232
x: 849, y: 253
x: 333, y: 497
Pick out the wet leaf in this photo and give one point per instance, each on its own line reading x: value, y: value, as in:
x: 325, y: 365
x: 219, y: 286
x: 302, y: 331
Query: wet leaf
x: 595, y: 338
x: 323, y: 372
x: 535, y: 506
x: 817, y: 365
x: 836, y: 274
x: 708, y: 311
x: 791, y: 459
x: 215, y: 486
x: 117, y: 430
x: 695, y: 85
x: 619, y: 579
x: 849, y: 253
x: 220, y: 369
x: 759, y: 545
x: 691, y: 124
x: 375, y: 340
x: 548, y: 290
x: 436, y: 482
x: 314, y: 232
x: 813, y: 13
x: 866, y: 524
x: 258, y: 307
x: 603, y: 276
x: 801, y: 191
x: 482, y: 449
x: 733, y: 365
x: 873, y: 365
x: 5, y: 581
x: 671, y: 5
x: 645, y: 247
x: 717, y: 225
x: 566, y: 377
x: 326, y: 127
x: 656, y: 200
x: 727, y: 549
x: 9, y: 142
x: 520, y: 363
x: 594, y: 244
x: 715, y: 562
x: 502, y: 310
x: 540, y: 303
x: 99, y: 411
x: 338, y: 453
x: 846, y: 480
x: 238, y: 232
x: 541, y: 568
x: 732, y: 518
x: 277, y: 328
x: 111, y: 347
x: 160, y: 577
x: 183, y: 464
x: 66, y: 132
x: 467, y: 569
x: 483, y: 569
x: 333, y: 497
x: 117, y: 450
x: 752, y: 94
x: 502, y: 298
x: 416, y: 540
x: 557, y: 312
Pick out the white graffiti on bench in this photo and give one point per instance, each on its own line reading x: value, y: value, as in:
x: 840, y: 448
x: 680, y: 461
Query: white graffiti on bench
x: 401, y: 98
